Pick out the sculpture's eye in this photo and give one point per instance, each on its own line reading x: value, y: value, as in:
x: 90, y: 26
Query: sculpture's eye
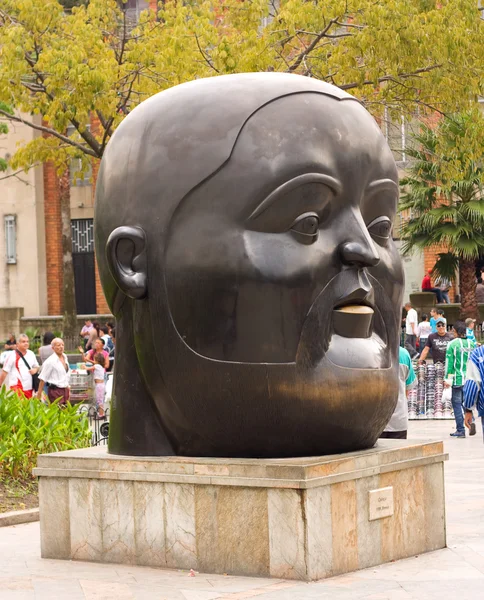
x: 307, y: 226
x: 380, y: 228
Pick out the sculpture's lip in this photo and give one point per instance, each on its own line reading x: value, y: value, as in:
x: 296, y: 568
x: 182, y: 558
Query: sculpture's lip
x: 358, y: 297
x: 352, y: 306
x: 361, y: 309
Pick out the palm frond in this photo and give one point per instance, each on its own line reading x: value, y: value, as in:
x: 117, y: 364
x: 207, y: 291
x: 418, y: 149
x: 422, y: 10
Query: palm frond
x: 446, y: 266
x: 441, y: 210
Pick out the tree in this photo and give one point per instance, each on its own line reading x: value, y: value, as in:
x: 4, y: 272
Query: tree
x: 397, y: 56
x: 443, y: 193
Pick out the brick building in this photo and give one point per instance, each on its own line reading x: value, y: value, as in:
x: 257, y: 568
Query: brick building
x: 31, y: 272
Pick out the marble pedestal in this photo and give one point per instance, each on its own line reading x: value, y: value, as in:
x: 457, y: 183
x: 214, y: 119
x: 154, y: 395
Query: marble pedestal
x: 302, y: 518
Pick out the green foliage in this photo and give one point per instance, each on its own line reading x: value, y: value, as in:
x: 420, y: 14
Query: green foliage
x: 402, y: 55
x: 29, y: 428
x: 3, y: 131
x: 69, y: 4
x: 35, y: 338
x: 446, y: 266
x: 443, y: 191
x: 442, y: 201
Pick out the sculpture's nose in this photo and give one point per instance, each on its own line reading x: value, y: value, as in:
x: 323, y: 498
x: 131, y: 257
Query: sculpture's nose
x: 359, y: 254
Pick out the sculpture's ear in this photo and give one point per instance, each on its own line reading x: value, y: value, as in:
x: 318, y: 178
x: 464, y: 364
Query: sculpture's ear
x: 126, y: 254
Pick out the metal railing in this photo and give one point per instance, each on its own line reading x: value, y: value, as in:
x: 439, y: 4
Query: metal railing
x: 99, y: 425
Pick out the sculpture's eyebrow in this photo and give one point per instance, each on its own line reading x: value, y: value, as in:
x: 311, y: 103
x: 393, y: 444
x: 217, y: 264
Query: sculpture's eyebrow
x: 292, y: 184
x: 381, y: 185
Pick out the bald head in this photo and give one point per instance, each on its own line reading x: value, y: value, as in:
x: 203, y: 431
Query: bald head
x: 58, y: 345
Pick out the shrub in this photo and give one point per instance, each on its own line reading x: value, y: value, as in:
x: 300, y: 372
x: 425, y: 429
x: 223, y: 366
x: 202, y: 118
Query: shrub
x: 29, y: 428
x: 35, y: 338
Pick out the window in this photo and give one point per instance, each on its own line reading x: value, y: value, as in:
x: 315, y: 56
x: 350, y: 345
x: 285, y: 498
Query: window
x: 133, y: 8
x: 82, y: 235
x: 75, y: 169
x: 11, y: 239
x: 76, y: 164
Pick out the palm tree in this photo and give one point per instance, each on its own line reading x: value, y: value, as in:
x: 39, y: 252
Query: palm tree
x: 443, y: 205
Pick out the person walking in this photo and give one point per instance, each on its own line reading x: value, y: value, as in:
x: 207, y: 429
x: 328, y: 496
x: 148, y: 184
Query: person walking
x: 480, y: 292
x: 55, y: 372
x: 99, y: 382
x: 398, y: 425
x: 424, y: 330
x: 86, y: 332
x: 473, y: 393
x: 437, y: 342
x: 411, y: 323
x: 94, y: 333
x: 433, y: 318
x: 46, y: 349
x: 106, y: 338
x: 470, y: 333
x: 456, y: 358
x: 440, y: 315
x: 20, y: 366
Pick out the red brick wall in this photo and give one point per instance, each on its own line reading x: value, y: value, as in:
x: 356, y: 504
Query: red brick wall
x: 53, y: 240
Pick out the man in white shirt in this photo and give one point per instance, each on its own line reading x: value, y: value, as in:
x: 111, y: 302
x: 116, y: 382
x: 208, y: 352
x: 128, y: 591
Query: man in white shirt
x: 55, y: 371
x: 411, y: 324
x: 20, y: 365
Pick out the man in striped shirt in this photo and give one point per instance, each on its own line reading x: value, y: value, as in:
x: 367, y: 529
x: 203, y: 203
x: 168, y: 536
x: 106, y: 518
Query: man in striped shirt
x: 473, y: 388
x: 456, y: 358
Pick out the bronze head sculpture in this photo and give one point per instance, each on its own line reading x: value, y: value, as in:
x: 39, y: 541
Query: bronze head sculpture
x: 243, y: 235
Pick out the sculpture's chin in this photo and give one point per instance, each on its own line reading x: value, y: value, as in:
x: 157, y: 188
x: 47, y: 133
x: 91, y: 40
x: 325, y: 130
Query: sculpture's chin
x: 358, y: 338
x: 359, y: 353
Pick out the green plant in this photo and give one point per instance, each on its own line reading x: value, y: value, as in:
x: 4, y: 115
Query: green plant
x: 35, y: 338
x: 29, y: 428
x: 443, y: 196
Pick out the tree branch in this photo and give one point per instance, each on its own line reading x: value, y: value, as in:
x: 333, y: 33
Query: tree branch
x: 349, y: 86
x: 312, y: 46
x: 49, y: 131
x: 17, y: 173
x: 205, y: 57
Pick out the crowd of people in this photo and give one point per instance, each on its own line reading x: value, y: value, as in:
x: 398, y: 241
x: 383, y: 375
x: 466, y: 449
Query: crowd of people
x: 48, y: 375
x: 459, y: 351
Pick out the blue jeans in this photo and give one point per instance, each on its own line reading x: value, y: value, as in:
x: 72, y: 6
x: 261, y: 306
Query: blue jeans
x: 457, y: 395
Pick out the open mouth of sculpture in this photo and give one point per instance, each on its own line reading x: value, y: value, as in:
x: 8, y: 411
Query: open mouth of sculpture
x: 358, y: 337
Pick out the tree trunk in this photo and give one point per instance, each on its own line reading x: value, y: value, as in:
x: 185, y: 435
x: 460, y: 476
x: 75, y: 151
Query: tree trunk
x: 68, y: 284
x: 468, y: 302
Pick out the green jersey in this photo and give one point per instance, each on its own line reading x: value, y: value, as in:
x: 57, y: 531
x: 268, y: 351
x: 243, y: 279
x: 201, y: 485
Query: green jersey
x: 457, y: 353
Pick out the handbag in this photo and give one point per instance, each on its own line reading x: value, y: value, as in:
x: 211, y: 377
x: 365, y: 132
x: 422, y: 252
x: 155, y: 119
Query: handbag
x: 35, y: 376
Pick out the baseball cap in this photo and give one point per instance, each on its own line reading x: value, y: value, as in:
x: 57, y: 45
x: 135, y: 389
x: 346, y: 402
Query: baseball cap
x: 469, y: 321
x: 439, y: 320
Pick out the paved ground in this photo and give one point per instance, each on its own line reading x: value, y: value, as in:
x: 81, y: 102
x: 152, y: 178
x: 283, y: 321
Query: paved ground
x: 454, y: 573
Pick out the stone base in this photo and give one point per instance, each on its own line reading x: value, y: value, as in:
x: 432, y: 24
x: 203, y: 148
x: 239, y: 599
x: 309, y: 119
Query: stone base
x: 302, y: 518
